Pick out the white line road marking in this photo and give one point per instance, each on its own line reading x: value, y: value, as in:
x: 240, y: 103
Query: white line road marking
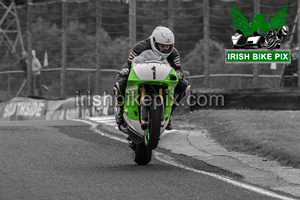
x: 94, y: 128
x: 104, y: 118
x: 169, y: 160
x: 111, y: 123
x: 108, y: 120
x: 167, y: 132
x: 104, y: 121
x: 109, y: 136
x: 80, y: 120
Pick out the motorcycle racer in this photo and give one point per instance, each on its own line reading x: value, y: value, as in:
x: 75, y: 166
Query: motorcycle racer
x: 276, y: 37
x: 161, y: 42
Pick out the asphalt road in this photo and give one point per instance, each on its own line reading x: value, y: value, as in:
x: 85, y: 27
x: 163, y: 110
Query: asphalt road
x: 66, y: 160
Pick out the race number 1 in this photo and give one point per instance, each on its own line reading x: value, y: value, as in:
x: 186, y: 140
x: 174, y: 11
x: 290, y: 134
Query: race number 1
x: 154, y: 72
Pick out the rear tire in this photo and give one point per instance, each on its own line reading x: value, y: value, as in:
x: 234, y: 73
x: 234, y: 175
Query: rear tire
x: 152, y: 140
x: 142, y: 155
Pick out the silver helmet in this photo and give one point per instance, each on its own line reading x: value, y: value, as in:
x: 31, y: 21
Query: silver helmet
x: 162, y: 36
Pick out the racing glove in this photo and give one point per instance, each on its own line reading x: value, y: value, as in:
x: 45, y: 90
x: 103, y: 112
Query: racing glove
x: 179, y: 74
x: 124, y: 72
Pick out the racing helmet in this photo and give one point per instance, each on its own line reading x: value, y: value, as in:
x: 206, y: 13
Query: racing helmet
x: 164, y: 36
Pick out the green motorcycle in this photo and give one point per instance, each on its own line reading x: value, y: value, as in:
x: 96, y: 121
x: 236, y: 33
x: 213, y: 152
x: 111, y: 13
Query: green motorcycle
x: 148, y: 104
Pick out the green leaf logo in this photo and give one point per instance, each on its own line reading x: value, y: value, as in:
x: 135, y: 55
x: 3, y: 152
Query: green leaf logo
x: 241, y: 23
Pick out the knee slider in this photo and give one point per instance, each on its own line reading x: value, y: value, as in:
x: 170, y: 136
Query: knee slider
x: 116, y: 92
x: 187, y: 91
x: 116, y: 89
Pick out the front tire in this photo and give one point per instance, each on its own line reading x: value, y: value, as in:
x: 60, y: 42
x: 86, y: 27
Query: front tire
x: 142, y: 155
x: 152, y: 137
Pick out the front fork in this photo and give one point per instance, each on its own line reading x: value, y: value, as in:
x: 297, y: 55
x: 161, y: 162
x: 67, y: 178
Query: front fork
x: 146, y: 106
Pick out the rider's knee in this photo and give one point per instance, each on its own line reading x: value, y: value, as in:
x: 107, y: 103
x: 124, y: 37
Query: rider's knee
x: 182, y: 89
x: 116, y: 89
x: 182, y: 86
x: 186, y: 91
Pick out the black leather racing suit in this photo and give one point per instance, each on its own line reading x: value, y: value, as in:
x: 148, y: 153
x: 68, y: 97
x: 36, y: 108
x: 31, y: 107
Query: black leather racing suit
x: 173, y: 59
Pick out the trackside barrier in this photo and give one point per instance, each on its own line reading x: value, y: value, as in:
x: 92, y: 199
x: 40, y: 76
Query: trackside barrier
x: 21, y: 108
x: 253, y: 100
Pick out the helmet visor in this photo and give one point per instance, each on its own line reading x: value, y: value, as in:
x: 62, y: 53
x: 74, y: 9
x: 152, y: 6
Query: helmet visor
x: 164, y: 48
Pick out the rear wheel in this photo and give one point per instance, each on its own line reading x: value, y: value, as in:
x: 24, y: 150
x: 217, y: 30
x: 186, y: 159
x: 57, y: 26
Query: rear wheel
x: 152, y: 136
x: 142, y: 155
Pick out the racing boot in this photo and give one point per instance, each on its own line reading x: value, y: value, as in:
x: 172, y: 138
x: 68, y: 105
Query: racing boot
x: 131, y: 144
x: 120, y: 104
x: 119, y: 118
x: 169, y: 126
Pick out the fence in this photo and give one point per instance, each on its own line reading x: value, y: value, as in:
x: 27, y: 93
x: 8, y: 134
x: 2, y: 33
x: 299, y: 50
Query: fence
x: 50, y: 78
x: 14, y: 80
x: 90, y: 35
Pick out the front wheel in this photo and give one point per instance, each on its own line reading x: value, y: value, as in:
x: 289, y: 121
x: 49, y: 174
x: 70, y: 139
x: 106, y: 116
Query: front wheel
x: 152, y: 136
x: 142, y: 155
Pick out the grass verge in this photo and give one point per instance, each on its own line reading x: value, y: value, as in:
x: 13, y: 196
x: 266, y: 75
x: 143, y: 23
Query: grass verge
x: 271, y: 134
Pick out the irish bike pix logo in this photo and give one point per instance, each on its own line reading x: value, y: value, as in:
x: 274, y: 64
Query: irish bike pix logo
x: 259, y: 41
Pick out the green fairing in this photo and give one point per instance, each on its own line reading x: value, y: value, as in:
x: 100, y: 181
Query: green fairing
x: 131, y: 108
x: 147, y: 137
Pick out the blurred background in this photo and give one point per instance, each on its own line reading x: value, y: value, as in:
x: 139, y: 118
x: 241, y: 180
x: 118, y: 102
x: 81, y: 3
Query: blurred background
x: 82, y: 44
